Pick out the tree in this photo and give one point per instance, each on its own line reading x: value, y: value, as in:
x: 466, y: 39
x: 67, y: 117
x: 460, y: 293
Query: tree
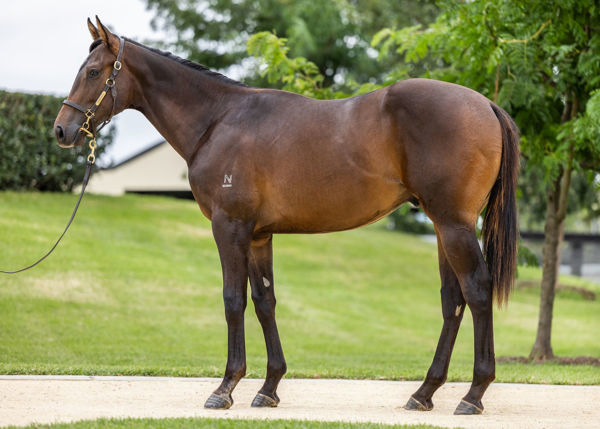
x: 30, y: 158
x: 539, y: 60
x: 328, y: 40
x: 333, y: 34
x: 584, y: 200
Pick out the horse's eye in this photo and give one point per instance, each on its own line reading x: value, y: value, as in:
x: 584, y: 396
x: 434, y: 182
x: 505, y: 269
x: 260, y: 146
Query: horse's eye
x: 93, y: 73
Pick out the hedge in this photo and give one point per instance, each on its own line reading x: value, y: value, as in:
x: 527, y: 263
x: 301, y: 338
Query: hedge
x: 30, y: 157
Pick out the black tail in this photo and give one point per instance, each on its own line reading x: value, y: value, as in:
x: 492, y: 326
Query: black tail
x: 500, y: 229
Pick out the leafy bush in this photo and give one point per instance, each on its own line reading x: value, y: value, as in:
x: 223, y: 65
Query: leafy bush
x: 411, y: 220
x: 30, y: 158
x: 526, y: 257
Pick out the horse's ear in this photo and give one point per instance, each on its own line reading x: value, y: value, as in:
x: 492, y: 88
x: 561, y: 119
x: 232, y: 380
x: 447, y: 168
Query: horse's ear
x: 107, y: 37
x: 93, y: 30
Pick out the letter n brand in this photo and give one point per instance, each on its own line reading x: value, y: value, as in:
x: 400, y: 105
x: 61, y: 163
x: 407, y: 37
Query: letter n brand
x: 227, y: 181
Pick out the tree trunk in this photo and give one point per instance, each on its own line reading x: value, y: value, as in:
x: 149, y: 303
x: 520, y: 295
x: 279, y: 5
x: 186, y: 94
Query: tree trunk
x: 542, y: 349
x: 556, y: 211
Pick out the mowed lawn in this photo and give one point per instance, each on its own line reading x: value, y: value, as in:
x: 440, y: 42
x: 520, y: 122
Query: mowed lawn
x: 135, y: 288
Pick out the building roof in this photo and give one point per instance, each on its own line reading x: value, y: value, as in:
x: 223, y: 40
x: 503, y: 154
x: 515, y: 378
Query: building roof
x: 156, y: 169
x: 136, y: 155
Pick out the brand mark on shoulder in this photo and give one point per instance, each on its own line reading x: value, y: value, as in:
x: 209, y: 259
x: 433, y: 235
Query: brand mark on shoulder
x: 227, y: 181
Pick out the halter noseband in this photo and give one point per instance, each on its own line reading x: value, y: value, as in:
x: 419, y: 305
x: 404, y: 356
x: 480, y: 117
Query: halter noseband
x: 88, y: 126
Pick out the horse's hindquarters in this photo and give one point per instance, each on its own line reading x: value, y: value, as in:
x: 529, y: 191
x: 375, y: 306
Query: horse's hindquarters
x: 450, y: 143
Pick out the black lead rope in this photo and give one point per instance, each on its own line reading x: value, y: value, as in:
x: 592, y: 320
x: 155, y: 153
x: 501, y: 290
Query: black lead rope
x: 86, y: 178
x: 90, y: 131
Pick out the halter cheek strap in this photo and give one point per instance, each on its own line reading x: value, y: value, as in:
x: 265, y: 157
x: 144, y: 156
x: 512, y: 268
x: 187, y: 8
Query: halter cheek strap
x: 88, y: 126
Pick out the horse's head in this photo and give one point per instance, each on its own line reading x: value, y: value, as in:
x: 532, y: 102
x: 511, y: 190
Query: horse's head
x: 94, y: 92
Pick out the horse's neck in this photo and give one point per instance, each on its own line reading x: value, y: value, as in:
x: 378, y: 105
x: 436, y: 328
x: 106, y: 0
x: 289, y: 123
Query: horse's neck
x: 182, y: 103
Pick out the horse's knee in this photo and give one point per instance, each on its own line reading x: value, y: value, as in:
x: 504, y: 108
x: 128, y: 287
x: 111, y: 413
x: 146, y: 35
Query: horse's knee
x: 234, y: 307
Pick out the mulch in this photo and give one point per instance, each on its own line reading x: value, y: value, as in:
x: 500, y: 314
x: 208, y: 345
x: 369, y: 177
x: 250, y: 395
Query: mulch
x: 586, y: 294
x: 562, y: 360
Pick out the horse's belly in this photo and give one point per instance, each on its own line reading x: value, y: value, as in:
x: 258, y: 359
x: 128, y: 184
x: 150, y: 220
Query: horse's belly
x: 332, y: 206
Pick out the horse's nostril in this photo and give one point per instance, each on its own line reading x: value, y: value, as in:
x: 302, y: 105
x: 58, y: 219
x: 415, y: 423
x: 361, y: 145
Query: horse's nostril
x: 60, y: 133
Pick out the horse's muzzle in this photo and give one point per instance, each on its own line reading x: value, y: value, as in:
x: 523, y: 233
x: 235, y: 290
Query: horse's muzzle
x: 68, y: 137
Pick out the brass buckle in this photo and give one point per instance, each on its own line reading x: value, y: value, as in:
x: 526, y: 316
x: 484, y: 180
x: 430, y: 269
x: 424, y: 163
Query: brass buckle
x: 100, y: 98
x: 117, y: 65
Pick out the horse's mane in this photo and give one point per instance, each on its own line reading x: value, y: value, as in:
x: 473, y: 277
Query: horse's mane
x: 183, y: 61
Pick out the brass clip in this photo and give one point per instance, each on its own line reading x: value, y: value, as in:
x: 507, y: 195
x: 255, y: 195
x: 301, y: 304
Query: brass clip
x: 92, y: 156
x: 87, y: 131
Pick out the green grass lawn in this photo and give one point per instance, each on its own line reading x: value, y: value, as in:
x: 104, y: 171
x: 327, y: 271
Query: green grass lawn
x: 185, y: 423
x: 135, y: 288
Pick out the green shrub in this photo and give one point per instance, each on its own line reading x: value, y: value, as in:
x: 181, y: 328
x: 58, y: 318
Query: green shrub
x: 407, y: 219
x: 30, y: 158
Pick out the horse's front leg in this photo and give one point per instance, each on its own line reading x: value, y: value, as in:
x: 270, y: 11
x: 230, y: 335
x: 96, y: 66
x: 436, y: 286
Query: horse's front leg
x: 233, y: 239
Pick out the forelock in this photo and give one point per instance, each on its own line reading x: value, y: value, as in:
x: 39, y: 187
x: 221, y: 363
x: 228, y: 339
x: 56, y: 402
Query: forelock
x: 95, y: 44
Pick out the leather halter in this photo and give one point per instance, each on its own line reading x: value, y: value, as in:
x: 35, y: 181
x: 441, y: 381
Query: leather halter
x: 88, y: 125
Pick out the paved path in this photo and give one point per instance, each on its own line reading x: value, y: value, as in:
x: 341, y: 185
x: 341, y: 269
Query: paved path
x: 46, y: 399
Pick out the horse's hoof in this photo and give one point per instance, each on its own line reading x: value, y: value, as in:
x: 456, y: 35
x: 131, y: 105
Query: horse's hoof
x: 261, y: 400
x: 219, y: 402
x: 466, y: 408
x: 414, y: 405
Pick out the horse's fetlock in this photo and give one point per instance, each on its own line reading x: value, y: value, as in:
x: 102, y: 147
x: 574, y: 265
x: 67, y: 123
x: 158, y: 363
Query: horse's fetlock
x: 238, y: 373
x: 277, y: 368
x: 485, y: 372
x: 435, y: 378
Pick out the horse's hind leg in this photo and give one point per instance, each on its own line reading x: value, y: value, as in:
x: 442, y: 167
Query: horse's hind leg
x: 453, y: 307
x: 260, y: 267
x: 464, y: 255
x: 233, y: 239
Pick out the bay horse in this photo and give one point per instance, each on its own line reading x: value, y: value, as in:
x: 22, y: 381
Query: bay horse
x: 263, y: 161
